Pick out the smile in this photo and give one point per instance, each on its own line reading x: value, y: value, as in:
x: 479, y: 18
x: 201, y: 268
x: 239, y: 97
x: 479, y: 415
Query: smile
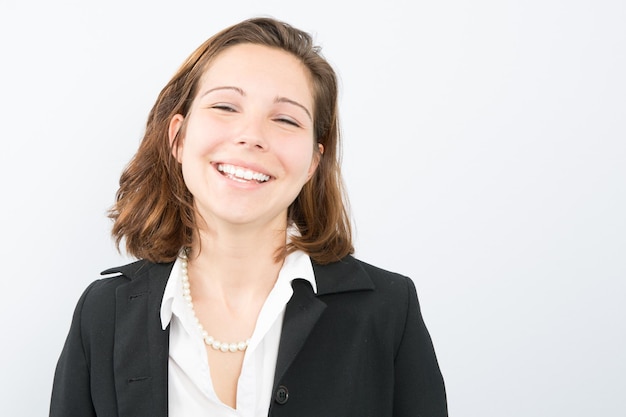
x: 241, y: 174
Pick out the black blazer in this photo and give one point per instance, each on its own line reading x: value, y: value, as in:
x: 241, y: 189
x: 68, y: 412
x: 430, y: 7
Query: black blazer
x: 357, y: 348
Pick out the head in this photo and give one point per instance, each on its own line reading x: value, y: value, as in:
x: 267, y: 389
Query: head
x: 154, y: 210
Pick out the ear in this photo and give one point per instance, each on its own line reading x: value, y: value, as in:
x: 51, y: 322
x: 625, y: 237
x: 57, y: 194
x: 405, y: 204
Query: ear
x: 315, y: 161
x: 176, y: 143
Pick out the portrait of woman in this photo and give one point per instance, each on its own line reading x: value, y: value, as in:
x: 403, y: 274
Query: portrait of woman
x: 245, y: 299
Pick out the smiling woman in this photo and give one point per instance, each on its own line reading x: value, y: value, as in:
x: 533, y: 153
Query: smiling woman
x: 245, y: 300
x: 251, y: 119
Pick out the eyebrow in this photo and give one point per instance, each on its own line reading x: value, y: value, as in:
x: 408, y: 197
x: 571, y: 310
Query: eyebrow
x: 295, y: 103
x: 226, y: 87
x: 276, y: 100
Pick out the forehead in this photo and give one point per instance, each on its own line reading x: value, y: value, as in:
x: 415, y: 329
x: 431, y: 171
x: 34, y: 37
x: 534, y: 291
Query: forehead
x: 254, y: 67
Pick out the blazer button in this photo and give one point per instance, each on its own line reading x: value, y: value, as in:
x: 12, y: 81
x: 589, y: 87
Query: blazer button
x: 282, y: 395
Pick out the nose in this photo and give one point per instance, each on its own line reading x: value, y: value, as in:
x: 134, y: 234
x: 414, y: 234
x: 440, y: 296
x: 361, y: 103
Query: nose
x: 253, y: 135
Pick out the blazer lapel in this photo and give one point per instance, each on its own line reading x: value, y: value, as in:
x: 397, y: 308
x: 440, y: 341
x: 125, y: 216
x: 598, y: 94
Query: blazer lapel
x: 305, y: 307
x: 141, y: 347
x: 301, y: 313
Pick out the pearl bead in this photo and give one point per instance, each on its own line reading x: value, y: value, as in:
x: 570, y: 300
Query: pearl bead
x: 209, y: 340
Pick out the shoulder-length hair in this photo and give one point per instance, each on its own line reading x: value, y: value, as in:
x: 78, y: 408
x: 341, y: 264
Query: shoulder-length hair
x: 153, y: 212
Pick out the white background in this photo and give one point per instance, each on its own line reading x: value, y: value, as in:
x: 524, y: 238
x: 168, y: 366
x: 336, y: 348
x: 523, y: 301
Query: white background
x: 485, y: 157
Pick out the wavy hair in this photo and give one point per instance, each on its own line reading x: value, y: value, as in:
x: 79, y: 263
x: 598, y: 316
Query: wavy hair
x: 153, y: 211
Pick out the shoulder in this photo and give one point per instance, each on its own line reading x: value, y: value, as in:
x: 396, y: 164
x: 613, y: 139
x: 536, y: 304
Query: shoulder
x: 113, y: 278
x: 366, y: 301
x: 392, y: 288
x: 140, y: 275
x: 366, y: 287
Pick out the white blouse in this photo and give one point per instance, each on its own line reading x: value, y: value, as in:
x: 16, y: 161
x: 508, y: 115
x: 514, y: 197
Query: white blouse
x: 190, y: 390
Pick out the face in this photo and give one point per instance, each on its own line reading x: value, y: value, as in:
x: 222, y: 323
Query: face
x: 247, y: 146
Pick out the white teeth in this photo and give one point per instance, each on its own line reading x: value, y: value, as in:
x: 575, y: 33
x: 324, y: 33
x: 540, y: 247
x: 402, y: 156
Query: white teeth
x: 242, y: 173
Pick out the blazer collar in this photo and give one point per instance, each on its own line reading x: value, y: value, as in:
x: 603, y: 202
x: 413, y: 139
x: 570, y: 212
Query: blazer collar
x: 139, y: 269
x: 342, y: 276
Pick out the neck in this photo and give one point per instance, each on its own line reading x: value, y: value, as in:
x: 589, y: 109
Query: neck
x: 237, y: 259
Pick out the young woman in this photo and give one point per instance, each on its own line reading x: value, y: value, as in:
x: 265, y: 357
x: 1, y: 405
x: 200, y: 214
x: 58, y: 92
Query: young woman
x: 245, y: 300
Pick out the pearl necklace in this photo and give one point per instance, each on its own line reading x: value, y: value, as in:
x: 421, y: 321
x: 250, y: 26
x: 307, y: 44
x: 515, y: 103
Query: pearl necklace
x: 209, y: 340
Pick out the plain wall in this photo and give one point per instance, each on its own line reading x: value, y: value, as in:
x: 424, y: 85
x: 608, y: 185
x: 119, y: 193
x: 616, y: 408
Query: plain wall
x: 484, y: 155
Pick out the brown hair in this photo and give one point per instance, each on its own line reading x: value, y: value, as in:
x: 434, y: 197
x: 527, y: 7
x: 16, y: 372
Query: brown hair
x: 154, y: 212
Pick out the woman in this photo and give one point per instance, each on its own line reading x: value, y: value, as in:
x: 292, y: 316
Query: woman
x: 246, y: 300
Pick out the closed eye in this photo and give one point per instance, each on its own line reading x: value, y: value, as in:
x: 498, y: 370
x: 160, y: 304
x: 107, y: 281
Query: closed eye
x: 224, y: 107
x: 288, y: 121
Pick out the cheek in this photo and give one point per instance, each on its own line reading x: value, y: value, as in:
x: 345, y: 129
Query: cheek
x: 300, y: 160
x: 195, y: 154
x: 198, y: 142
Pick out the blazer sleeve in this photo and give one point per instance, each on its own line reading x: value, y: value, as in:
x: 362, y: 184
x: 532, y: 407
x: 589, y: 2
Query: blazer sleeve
x: 71, y: 394
x: 419, y: 387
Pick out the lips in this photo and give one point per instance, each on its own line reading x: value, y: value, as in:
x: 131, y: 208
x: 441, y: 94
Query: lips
x: 242, y: 174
